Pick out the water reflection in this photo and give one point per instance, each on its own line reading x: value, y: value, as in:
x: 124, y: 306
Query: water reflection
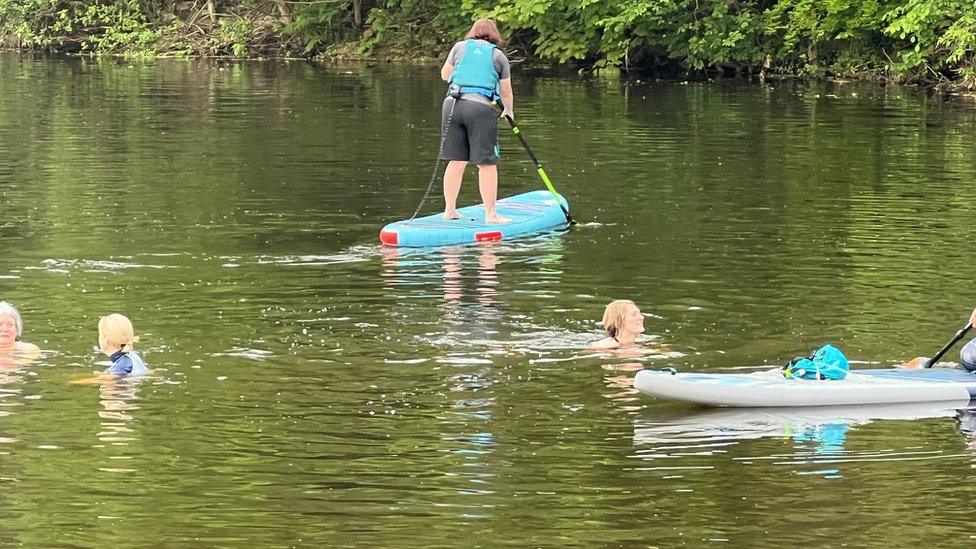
x: 966, y: 419
x: 619, y: 378
x: 13, y: 370
x: 818, y: 435
x: 449, y: 268
x: 465, y: 282
x: 485, y: 292
x: 119, y: 400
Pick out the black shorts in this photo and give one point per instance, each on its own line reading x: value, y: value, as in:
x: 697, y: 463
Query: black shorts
x: 473, y: 132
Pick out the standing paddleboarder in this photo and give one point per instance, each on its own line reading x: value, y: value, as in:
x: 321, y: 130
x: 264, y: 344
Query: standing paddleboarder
x: 478, y: 73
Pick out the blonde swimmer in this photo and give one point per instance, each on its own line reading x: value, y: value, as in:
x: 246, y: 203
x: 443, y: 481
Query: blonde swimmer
x: 623, y: 321
x: 116, y: 339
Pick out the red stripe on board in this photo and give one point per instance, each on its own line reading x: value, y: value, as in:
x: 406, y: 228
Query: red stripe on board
x: 487, y: 237
x: 388, y: 237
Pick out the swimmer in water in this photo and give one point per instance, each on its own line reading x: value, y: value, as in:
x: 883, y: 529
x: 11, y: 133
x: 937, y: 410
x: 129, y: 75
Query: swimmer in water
x: 623, y: 321
x: 11, y: 329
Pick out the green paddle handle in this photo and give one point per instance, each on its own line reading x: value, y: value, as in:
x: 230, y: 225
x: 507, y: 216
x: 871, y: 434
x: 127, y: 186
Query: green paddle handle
x: 540, y: 169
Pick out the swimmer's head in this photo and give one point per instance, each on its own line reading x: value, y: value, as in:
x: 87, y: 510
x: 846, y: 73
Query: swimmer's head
x: 115, y: 333
x: 622, y: 315
x: 10, y: 321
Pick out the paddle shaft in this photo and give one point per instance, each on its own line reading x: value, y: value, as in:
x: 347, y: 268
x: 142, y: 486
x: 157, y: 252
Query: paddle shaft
x: 959, y: 335
x: 540, y: 169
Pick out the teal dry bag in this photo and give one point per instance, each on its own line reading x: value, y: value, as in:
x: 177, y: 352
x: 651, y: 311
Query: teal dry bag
x: 826, y: 362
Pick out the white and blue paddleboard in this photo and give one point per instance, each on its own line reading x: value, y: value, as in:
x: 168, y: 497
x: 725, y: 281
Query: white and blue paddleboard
x: 770, y: 388
x: 531, y: 213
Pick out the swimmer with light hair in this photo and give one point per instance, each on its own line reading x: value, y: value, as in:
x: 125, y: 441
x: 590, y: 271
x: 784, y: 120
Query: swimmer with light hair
x: 623, y: 321
x: 116, y: 339
x: 11, y: 330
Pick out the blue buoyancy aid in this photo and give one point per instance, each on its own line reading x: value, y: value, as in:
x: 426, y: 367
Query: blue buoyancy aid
x: 126, y: 363
x: 475, y: 72
x: 827, y: 362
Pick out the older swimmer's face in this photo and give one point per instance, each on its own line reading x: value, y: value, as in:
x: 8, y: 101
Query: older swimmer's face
x: 634, y: 319
x: 8, y: 330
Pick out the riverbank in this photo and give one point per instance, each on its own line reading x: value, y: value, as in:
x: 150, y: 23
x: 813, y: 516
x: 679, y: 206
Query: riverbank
x: 681, y: 40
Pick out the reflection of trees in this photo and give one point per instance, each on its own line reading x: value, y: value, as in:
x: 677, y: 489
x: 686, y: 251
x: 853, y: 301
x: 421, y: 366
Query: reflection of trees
x: 203, y: 147
x: 763, y: 206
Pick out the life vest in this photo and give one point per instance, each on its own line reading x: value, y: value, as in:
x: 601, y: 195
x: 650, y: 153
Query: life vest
x: 475, y: 72
x: 138, y: 364
x: 826, y: 362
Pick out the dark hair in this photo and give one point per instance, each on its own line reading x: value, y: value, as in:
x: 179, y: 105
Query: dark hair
x: 612, y: 331
x: 485, y: 29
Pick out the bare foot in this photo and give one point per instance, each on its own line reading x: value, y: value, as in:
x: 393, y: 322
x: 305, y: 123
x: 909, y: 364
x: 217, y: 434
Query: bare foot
x: 452, y: 215
x: 497, y: 219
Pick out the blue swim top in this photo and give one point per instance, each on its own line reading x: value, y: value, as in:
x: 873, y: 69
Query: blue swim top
x: 127, y: 363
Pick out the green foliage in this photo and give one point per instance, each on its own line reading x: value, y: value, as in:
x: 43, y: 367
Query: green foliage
x: 233, y: 34
x: 564, y: 30
x: 33, y: 22
x: 322, y: 24
x: 809, y: 36
x: 106, y: 26
x: 911, y: 40
x: 933, y: 36
x: 414, y: 25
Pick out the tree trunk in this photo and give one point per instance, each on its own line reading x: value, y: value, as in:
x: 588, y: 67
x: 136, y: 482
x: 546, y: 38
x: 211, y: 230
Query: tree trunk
x: 357, y: 13
x: 284, y: 11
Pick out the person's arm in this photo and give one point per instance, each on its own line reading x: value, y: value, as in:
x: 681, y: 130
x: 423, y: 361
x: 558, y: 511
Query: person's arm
x: 972, y: 319
x: 508, y: 97
x: 94, y: 380
x: 452, y: 58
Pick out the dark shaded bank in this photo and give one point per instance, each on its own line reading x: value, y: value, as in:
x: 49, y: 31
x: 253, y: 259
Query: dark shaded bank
x: 926, y: 42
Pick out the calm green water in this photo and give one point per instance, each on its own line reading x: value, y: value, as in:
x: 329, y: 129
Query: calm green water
x: 313, y: 389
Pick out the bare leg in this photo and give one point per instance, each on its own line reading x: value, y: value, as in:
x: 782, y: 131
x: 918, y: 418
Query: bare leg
x: 488, y: 185
x: 452, y: 186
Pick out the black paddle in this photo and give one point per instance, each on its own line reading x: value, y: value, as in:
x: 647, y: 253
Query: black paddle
x: 539, y: 168
x: 959, y: 335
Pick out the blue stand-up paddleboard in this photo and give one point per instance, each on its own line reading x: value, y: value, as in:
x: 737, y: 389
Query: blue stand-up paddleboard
x: 531, y: 213
x: 770, y: 388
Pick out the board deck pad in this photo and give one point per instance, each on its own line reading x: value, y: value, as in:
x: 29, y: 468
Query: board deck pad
x: 771, y: 388
x: 531, y: 213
